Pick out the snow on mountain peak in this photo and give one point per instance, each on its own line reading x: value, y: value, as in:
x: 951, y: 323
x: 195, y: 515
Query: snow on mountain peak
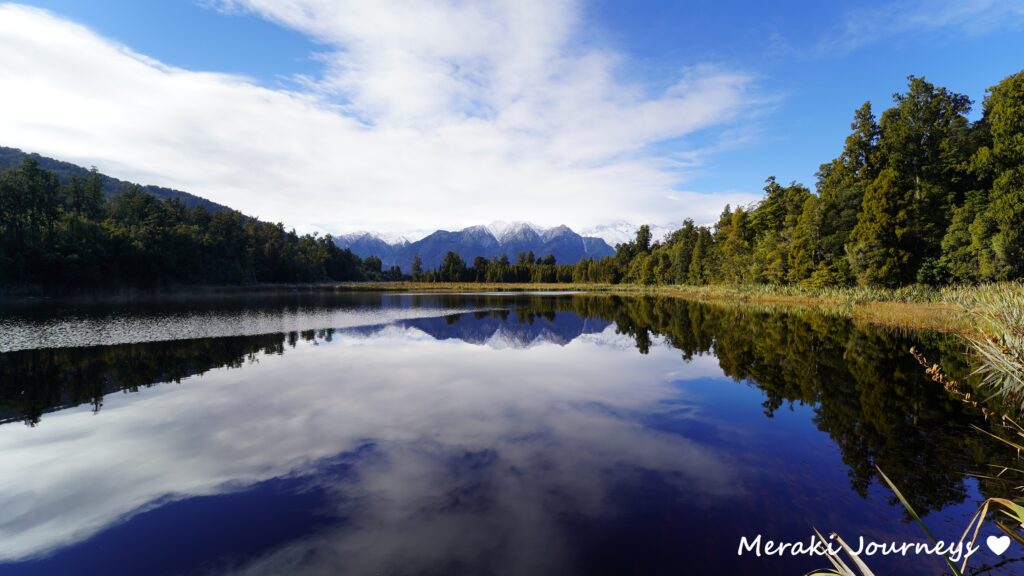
x: 620, y: 231
x: 391, y: 239
x: 502, y: 229
x: 394, y: 239
x: 505, y: 230
x: 550, y: 233
x: 479, y: 232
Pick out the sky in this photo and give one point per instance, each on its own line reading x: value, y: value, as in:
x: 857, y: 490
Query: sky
x: 405, y: 116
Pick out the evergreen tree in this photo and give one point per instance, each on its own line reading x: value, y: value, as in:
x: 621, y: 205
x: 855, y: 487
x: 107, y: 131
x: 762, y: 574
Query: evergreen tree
x: 480, y: 265
x: 698, y: 272
x: 373, y: 265
x: 453, y: 268
x: 804, y: 244
x: 682, y: 243
x: 1004, y: 115
x: 643, y: 238
x: 878, y: 253
x: 735, y: 253
x: 417, y: 268
x: 841, y: 185
x: 922, y: 141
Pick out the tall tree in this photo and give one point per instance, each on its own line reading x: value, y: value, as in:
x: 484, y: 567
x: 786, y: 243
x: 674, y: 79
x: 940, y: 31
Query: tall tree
x: 1004, y: 116
x: 804, y: 254
x: 699, y: 270
x: 417, y: 268
x: 682, y: 243
x: 841, y: 184
x: 879, y: 251
x: 922, y: 141
x: 643, y: 238
x: 453, y: 268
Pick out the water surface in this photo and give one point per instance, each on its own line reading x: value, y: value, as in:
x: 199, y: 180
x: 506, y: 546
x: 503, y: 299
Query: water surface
x: 477, y: 434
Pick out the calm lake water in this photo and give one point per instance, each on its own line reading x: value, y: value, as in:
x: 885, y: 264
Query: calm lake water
x: 473, y: 434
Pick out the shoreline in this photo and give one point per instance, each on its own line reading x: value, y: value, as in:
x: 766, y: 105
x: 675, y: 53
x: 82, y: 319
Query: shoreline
x: 911, y: 307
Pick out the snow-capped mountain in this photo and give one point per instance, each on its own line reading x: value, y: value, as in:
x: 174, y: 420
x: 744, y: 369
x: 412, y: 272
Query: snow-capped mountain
x: 494, y: 240
x: 367, y: 244
x: 500, y: 228
x: 621, y: 231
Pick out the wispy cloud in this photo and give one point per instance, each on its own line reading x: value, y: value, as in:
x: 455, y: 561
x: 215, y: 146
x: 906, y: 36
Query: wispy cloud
x: 427, y: 114
x: 974, y: 17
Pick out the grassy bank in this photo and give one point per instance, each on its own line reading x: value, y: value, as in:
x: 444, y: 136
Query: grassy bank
x: 922, y: 307
x: 945, y: 309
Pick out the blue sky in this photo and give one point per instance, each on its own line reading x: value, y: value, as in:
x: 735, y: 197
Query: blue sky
x: 688, y: 104
x: 818, y: 87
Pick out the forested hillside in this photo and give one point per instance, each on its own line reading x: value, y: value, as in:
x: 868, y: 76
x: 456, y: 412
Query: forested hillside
x: 71, y: 235
x: 920, y: 194
x: 13, y: 157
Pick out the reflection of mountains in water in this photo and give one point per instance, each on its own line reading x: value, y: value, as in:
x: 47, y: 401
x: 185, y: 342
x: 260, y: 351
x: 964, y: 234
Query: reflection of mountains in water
x: 34, y: 382
x: 509, y: 328
x: 865, y: 390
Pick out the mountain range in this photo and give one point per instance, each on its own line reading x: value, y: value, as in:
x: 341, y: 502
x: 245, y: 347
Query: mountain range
x: 502, y: 328
x: 497, y: 239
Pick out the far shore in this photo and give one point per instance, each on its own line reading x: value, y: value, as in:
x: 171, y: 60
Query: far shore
x: 915, y: 307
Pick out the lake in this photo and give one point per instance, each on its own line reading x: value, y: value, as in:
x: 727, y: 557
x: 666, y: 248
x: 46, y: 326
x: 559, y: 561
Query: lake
x: 479, y: 434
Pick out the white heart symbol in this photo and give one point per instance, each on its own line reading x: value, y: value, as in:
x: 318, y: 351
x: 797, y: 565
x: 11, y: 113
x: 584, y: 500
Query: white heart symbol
x: 998, y: 545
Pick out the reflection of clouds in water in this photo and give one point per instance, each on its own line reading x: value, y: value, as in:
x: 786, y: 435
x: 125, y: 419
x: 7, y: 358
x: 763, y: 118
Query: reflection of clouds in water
x: 118, y: 328
x: 610, y: 337
x: 476, y: 451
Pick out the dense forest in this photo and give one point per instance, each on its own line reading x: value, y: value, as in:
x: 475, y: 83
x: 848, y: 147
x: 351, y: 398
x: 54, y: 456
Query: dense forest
x: 70, y: 235
x: 921, y: 194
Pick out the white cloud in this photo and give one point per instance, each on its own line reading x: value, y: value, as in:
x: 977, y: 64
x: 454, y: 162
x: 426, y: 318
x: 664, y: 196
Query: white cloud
x: 427, y: 114
x: 555, y: 415
x: 973, y: 17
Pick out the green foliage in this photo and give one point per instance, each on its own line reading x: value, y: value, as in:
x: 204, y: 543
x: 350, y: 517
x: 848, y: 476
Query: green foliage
x: 922, y: 195
x: 417, y: 268
x: 453, y: 268
x: 879, y: 252
x: 998, y: 312
x: 70, y: 237
x: 841, y: 185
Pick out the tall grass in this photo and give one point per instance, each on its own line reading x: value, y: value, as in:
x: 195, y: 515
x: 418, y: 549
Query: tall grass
x: 998, y: 338
x: 840, y: 295
x: 917, y: 293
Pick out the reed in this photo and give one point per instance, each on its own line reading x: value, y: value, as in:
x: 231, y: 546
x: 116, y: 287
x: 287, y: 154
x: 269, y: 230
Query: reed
x: 998, y: 338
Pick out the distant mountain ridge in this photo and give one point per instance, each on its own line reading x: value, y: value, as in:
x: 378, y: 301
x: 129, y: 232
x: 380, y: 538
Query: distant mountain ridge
x: 12, y: 157
x: 621, y: 231
x: 496, y: 239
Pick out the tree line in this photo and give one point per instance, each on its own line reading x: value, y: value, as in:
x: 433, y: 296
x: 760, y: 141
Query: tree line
x: 69, y: 235
x: 867, y: 393
x: 526, y: 269
x: 921, y: 194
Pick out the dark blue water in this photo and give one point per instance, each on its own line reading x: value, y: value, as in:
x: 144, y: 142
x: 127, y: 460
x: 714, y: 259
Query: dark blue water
x: 397, y: 434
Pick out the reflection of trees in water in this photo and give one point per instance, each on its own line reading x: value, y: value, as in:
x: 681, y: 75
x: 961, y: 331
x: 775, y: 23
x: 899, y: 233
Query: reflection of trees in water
x: 33, y: 382
x: 868, y: 394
